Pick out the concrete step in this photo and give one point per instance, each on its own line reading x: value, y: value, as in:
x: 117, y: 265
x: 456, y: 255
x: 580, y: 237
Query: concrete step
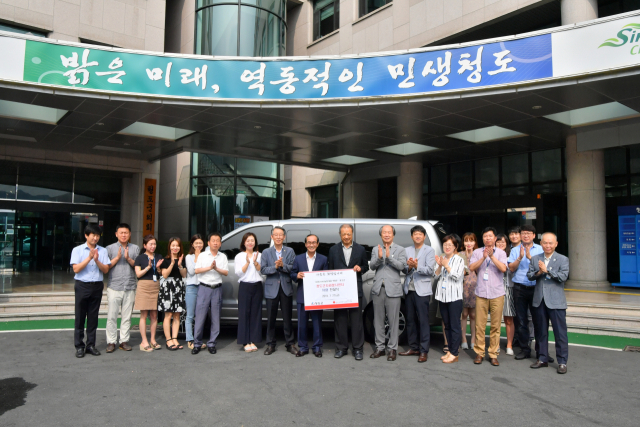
x: 603, y: 309
x: 40, y: 297
x: 38, y: 307
x: 50, y: 315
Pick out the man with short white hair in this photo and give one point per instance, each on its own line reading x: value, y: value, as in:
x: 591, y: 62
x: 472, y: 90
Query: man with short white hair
x: 550, y: 270
x: 387, y: 262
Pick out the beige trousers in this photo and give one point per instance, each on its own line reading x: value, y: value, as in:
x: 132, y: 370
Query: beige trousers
x: 482, y: 310
x: 119, y: 301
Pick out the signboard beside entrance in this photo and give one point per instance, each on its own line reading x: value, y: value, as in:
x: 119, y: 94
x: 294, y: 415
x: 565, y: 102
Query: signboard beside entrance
x: 330, y: 289
x: 629, y: 238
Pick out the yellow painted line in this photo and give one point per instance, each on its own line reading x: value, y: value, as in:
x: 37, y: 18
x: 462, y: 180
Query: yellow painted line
x: 602, y: 292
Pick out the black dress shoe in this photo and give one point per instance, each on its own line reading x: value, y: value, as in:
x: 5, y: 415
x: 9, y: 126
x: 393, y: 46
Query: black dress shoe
x: 269, y: 350
x: 339, y: 354
x: 392, y: 356
x: 550, y: 359
x: 212, y: 350
x: 538, y: 364
x: 93, y: 351
x: 522, y: 355
x: 293, y: 349
x: 301, y: 353
x: 80, y: 352
x: 562, y: 369
x: 358, y: 354
x: 317, y: 353
x: 196, y: 350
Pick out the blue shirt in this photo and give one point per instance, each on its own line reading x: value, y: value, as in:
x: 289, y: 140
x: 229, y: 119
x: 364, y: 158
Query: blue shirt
x: 91, y: 273
x: 520, y: 276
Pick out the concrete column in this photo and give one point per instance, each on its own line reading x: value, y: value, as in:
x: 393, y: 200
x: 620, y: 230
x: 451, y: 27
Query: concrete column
x: 173, y: 189
x: 360, y: 199
x: 410, y: 190
x: 574, y: 11
x: 586, y: 217
x: 585, y: 189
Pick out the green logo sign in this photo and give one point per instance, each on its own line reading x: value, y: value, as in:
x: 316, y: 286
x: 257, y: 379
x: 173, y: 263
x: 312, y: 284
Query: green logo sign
x: 628, y: 34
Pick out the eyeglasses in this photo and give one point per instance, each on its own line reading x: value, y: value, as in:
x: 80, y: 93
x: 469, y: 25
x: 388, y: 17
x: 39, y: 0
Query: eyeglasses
x: 312, y: 243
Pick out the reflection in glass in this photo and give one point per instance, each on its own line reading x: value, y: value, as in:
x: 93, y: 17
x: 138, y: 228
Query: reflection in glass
x: 97, y: 188
x: 615, y: 161
x: 439, y: 179
x: 217, y: 31
x: 276, y: 6
x: 216, y: 199
x: 257, y: 168
x: 207, y: 164
x: 262, y: 33
x: 515, y: 169
x: 7, y: 181
x: 48, y: 184
x: 515, y: 191
x: 461, y: 176
x: 487, y: 173
x: 634, y: 159
x: 546, y: 165
x: 615, y: 186
x: 635, y: 185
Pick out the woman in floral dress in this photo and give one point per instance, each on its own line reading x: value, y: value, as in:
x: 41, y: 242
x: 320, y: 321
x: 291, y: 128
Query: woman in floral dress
x: 172, y: 292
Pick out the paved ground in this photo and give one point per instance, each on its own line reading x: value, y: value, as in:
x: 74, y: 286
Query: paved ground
x: 237, y: 389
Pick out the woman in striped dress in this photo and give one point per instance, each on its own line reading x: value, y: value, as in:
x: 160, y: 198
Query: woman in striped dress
x: 449, y: 294
x: 509, y: 310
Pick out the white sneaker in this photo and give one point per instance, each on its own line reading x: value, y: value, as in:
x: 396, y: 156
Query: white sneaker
x: 465, y: 346
x: 509, y: 351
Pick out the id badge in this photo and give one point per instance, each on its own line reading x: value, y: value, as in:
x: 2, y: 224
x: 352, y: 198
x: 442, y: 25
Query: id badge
x: 486, y: 275
x: 155, y: 278
x: 548, y: 277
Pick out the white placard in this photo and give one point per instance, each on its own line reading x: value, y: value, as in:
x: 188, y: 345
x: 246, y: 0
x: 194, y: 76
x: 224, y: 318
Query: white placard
x: 330, y: 289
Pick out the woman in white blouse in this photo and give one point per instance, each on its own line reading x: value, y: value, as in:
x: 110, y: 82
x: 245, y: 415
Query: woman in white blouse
x: 449, y: 293
x: 250, y: 293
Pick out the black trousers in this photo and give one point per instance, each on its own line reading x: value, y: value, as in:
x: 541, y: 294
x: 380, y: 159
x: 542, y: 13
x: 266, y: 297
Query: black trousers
x: 344, y: 317
x: 451, y: 312
x: 250, y: 313
x: 418, y: 329
x: 558, y: 319
x: 523, y: 296
x: 88, y: 299
x: 286, y: 305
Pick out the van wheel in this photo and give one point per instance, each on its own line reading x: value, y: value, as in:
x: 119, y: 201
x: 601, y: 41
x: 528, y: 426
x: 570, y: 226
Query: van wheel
x: 369, y: 330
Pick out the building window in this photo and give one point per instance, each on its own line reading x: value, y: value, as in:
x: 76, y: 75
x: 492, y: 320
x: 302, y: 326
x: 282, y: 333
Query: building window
x: 248, y: 28
x: 326, y: 17
x: 368, y: 6
x: 21, y: 30
x: 227, y: 192
x: 324, y: 202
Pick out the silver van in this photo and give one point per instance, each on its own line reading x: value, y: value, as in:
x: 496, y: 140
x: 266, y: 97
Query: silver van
x: 366, y: 233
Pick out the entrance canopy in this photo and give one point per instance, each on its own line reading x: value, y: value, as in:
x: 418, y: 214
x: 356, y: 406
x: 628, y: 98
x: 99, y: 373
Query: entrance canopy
x: 437, y: 105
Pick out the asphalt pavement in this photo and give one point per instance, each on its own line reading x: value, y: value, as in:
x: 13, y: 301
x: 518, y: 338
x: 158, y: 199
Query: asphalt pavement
x: 42, y: 383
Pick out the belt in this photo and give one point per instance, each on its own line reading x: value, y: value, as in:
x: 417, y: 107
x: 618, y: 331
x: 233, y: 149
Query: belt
x: 523, y: 285
x: 217, y: 285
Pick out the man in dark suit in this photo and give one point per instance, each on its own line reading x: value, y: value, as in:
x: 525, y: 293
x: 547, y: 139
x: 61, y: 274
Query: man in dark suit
x: 309, y: 261
x: 277, y: 262
x: 352, y: 256
x: 550, y: 270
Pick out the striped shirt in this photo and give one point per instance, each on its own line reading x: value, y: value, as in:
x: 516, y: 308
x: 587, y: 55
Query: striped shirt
x: 449, y: 287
